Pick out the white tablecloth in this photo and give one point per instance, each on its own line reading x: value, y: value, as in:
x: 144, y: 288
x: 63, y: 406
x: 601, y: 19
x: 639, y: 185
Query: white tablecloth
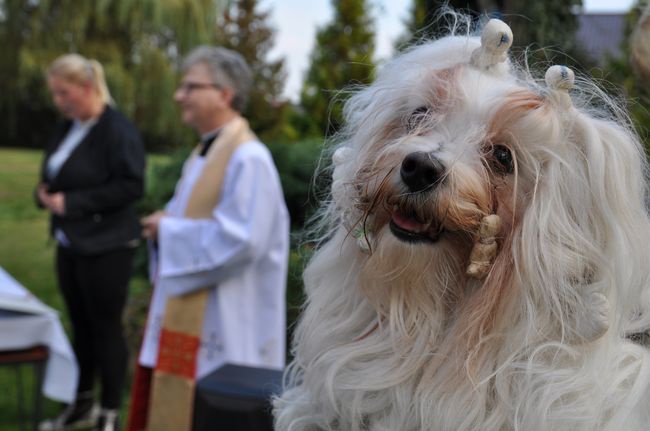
x: 25, y: 322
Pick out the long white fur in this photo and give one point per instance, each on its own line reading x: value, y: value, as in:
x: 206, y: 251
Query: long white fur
x: 382, y: 343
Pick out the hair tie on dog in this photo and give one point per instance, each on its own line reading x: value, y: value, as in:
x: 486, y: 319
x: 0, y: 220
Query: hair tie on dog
x: 560, y: 79
x: 341, y: 155
x: 496, y: 39
x: 484, y: 251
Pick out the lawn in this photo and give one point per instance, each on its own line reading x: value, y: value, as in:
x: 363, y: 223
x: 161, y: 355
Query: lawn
x: 26, y: 253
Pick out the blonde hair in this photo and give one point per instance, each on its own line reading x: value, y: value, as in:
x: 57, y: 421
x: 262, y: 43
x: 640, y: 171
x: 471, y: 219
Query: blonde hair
x: 77, y: 69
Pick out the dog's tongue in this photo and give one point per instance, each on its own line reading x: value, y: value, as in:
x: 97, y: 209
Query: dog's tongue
x: 408, y: 223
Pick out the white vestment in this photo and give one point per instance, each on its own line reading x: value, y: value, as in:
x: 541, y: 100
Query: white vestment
x: 242, y: 252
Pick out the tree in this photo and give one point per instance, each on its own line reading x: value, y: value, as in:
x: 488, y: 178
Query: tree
x: 620, y: 72
x: 424, y: 22
x: 139, y: 43
x: 548, y: 24
x: 342, y: 57
x: 243, y: 28
x: 14, y: 19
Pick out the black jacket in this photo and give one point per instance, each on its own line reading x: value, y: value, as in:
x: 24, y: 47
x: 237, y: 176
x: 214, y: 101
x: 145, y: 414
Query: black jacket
x: 101, y: 180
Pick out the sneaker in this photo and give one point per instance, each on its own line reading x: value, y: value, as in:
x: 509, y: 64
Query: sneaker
x: 109, y: 420
x: 81, y: 414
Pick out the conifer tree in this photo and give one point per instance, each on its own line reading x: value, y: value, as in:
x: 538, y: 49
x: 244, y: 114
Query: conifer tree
x: 620, y: 73
x: 549, y: 24
x: 542, y: 24
x: 245, y: 29
x: 342, y: 57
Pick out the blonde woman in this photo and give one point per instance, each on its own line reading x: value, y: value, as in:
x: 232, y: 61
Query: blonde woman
x: 91, y: 176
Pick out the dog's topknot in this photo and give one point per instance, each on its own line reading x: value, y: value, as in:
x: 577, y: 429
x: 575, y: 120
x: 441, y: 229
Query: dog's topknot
x: 496, y: 39
x: 560, y: 79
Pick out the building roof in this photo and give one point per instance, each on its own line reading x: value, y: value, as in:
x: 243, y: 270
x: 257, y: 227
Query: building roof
x: 601, y: 34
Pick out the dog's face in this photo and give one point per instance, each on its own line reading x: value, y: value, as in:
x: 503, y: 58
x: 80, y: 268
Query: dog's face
x: 453, y: 159
x: 447, y: 147
x: 434, y: 146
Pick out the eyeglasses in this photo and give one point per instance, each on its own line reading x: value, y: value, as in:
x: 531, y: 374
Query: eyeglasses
x: 188, y: 87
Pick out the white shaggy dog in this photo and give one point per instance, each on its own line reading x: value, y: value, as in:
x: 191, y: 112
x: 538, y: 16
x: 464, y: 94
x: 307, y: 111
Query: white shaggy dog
x: 487, y: 257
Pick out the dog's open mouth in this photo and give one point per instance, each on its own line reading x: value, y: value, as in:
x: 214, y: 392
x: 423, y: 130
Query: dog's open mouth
x: 409, y: 228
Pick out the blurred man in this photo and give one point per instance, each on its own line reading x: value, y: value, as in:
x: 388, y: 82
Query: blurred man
x: 219, y: 251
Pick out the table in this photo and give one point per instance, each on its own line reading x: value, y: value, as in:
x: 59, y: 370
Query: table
x: 25, y: 322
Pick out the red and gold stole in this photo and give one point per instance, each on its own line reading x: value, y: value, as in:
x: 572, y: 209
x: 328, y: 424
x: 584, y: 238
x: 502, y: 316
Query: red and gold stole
x: 174, y: 377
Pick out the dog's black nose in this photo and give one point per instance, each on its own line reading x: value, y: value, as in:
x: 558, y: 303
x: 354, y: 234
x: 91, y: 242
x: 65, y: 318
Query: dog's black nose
x: 421, y: 171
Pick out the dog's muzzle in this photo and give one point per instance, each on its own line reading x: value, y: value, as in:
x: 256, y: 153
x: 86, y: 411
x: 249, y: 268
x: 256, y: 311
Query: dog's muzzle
x: 421, y: 172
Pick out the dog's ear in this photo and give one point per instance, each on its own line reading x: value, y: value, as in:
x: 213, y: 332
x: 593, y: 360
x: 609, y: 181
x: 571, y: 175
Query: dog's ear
x: 617, y: 173
x: 572, y: 259
x: 583, y: 238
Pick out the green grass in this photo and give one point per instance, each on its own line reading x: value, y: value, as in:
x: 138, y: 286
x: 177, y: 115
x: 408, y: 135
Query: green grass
x: 27, y: 253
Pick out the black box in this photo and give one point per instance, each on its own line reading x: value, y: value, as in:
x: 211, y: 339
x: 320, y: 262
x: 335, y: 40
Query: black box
x: 235, y: 397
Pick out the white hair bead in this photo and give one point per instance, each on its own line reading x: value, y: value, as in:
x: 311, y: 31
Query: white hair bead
x: 341, y: 155
x: 559, y: 78
x: 496, y: 39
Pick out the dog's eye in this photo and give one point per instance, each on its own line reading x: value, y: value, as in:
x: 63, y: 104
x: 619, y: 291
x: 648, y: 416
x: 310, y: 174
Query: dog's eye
x: 503, y: 159
x: 416, y: 118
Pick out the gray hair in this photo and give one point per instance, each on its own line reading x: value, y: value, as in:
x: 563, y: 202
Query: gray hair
x: 228, y: 69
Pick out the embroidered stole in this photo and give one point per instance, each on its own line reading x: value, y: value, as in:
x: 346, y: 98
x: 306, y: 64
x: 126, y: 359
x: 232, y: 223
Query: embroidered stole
x: 174, y: 378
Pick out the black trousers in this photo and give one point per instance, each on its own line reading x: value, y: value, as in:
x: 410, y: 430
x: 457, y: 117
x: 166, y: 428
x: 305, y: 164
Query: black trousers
x: 95, y: 290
